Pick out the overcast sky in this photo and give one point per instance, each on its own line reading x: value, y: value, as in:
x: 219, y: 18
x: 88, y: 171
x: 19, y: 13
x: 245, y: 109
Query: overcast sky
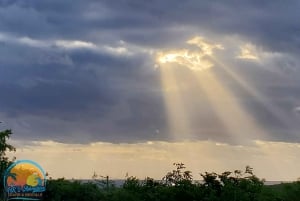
x: 142, y: 73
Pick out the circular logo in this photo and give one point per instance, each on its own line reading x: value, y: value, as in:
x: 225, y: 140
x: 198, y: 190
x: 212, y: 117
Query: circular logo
x: 24, y: 179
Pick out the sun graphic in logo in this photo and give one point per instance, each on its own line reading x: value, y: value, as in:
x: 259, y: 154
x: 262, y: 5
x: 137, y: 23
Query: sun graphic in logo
x: 33, y: 180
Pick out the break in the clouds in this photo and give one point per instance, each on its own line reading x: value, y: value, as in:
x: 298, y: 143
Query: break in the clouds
x: 84, y: 71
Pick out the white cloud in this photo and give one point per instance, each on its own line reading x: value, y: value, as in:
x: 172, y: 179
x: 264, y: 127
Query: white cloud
x: 205, y: 46
x: 297, y: 110
x: 248, y: 51
x: 117, y: 50
x: 75, y: 44
x: 123, y: 48
x: 33, y: 43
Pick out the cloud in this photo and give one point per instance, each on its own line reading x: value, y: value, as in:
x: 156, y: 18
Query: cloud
x: 74, y: 68
x: 193, y: 59
x: 248, y: 51
x: 142, y: 23
x: 75, y: 44
x: 206, y: 47
x: 66, y: 83
x: 297, y: 109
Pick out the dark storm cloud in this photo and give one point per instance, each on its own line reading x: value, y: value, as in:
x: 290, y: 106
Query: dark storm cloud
x: 50, y: 86
x: 83, y: 94
x: 271, y: 23
x: 32, y: 86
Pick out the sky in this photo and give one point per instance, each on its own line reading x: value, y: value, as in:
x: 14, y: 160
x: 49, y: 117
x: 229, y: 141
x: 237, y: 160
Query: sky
x: 129, y: 87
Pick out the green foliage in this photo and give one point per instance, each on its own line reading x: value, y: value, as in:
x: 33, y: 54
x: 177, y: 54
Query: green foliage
x: 240, y: 186
x: 268, y: 193
x: 4, y: 147
x: 283, y: 192
x: 178, y: 176
x: 211, y: 186
x: 5, y: 162
x: 177, y: 185
x: 62, y: 189
x: 131, y: 184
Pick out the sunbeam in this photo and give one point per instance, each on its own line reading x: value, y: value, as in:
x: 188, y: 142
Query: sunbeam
x: 240, y: 127
x: 275, y: 111
x: 177, y: 120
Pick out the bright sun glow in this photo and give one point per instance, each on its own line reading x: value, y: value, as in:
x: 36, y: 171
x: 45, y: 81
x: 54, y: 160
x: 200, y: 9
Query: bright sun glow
x: 171, y: 57
x: 193, y: 59
x: 185, y: 58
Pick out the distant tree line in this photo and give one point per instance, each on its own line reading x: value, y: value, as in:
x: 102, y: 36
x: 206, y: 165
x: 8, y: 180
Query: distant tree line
x: 177, y: 185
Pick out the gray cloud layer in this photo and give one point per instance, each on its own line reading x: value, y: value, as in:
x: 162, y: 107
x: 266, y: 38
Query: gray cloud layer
x: 83, y: 94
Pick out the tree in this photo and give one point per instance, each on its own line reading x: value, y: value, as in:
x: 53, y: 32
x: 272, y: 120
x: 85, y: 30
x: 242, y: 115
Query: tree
x: 62, y: 189
x: 5, y: 161
x: 239, y: 185
x: 211, y: 187
x: 178, y: 176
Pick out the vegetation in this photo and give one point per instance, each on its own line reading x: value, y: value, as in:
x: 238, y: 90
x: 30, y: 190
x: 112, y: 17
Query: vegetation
x: 5, y: 162
x: 177, y: 185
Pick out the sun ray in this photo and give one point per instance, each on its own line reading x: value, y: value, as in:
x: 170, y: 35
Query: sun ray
x: 262, y: 100
x: 275, y: 111
x: 240, y: 126
x: 238, y: 123
x: 177, y: 120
